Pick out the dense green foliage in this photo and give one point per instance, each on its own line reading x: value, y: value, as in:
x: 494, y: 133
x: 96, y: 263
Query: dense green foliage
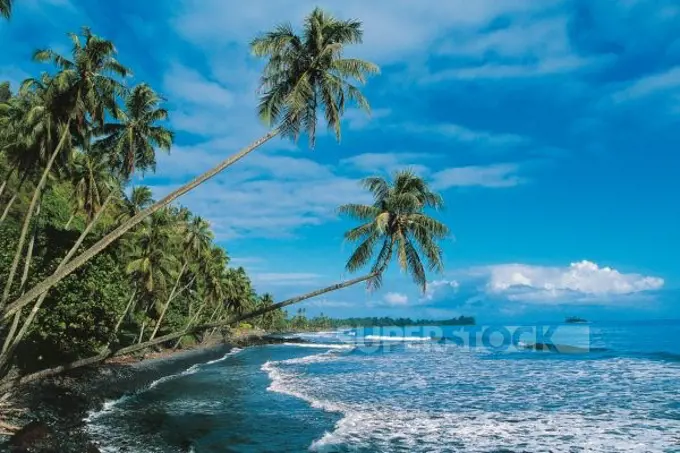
x: 165, y: 275
x: 300, y: 322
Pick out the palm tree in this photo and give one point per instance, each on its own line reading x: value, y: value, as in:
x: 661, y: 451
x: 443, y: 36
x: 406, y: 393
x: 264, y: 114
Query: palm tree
x: 396, y: 221
x: 130, y: 143
x: 197, y: 239
x: 139, y: 199
x: 92, y: 181
x: 82, y: 88
x: 40, y: 120
x: 89, y: 77
x: 5, y: 8
x: 302, y: 75
x: 150, y: 261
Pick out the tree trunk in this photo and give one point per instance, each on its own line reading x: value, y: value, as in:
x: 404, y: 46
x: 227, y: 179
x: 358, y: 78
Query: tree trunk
x: 22, y: 283
x: 68, y: 222
x: 9, y: 205
x: 167, y: 303
x: 191, y: 321
x: 141, y: 332
x: 127, y: 308
x: 9, y: 384
x: 11, y: 201
x: 7, y: 354
x: 5, y: 183
x: 29, y: 216
x: 107, y: 240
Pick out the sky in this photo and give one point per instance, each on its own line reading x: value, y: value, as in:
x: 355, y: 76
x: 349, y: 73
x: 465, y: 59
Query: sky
x: 550, y: 128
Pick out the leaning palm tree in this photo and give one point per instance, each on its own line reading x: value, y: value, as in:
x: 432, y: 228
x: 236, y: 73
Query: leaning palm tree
x: 304, y: 74
x: 5, y: 8
x: 396, y: 224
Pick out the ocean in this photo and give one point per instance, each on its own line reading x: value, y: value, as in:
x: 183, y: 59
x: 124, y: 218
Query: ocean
x: 615, y: 389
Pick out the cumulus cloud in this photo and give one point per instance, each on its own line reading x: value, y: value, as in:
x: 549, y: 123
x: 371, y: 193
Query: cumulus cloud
x: 578, y: 282
x: 440, y: 288
x: 216, y: 22
x: 395, y: 299
x: 660, y: 83
x: 494, y: 176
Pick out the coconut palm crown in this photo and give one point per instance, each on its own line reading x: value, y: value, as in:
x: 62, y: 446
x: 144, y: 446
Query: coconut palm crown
x: 308, y: 71
x: 396, y: 224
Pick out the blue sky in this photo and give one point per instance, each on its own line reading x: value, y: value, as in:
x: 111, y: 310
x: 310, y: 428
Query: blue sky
x: 551, y: 129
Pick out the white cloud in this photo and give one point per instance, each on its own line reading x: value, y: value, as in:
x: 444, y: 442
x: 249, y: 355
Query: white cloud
x: 395, y: 299
x: 464, y: 134
x: 286, y: 278
x: 492, y: 176
x: 387, y: 162
x: 549, y: 66
x: 650, y: 85
x: 190, y: 86
x: 392, y: 29
x: 578, y: 282
x: 439, y: 288
x: 264, y: 195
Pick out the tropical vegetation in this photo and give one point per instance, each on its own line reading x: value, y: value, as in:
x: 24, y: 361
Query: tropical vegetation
x: 91, y: 266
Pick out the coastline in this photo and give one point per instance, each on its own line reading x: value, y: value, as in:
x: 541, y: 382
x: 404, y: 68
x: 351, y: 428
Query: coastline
x: 55, y: 410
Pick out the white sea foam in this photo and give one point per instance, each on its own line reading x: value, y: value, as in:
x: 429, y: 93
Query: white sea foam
x: 320, y: 345
x: 234, y: 351
x: 466, y: 403
x: 402, y: 339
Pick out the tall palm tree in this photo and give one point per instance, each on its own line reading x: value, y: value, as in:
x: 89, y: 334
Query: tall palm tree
x: 83, y: 91
x: 40, y: 121
x: 131, y: 142
x: 5, y: 8
x: 302, y: 75
x: 90, y: 76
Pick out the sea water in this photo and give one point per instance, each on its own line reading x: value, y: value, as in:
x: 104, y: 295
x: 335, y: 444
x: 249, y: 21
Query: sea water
x: 364, y: 391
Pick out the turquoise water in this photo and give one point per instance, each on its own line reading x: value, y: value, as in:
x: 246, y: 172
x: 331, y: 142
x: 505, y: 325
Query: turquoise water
x: 366, y: 392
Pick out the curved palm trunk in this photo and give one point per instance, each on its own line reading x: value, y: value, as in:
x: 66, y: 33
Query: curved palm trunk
x: 7, y: 353
x: 11, y: 201
x: 5, y: 182
x: 22, y: 284
x: 68, y: 222
x: 29, y: 215
x: 107, y: 240
x: 125, y: 312
x: 9, y: 384
x: 167, y: 303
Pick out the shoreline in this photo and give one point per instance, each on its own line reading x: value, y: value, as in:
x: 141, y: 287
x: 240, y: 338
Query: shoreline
x: 56, y: 409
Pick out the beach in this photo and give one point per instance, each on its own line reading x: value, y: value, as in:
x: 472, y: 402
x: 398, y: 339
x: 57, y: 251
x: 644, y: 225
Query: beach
x: 410, y: 394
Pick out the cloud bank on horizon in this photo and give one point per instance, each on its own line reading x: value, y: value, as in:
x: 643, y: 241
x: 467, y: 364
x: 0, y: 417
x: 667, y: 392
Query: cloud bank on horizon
x: 550, y: 128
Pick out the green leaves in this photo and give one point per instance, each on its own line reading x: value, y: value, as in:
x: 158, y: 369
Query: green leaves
x: 305, y: 73
x: 398, y: 219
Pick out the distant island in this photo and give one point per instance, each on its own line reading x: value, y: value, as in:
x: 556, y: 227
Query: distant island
x: 575, y: 320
